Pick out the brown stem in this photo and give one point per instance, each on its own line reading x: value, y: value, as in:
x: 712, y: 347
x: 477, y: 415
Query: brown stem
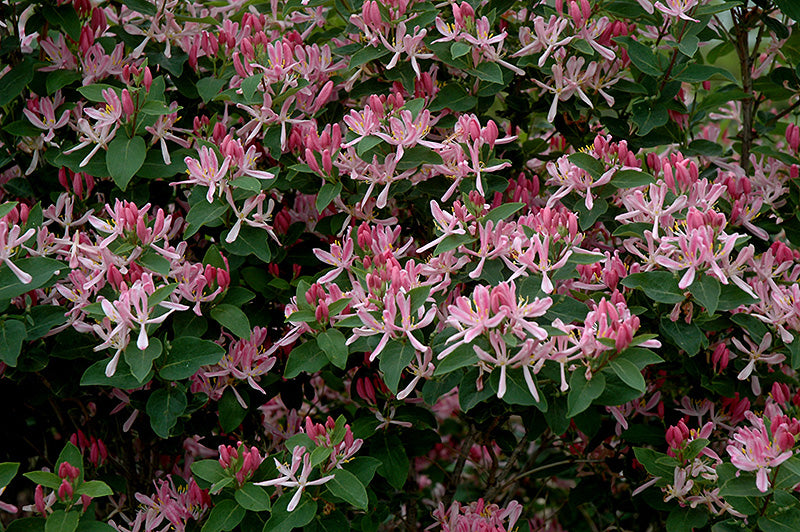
x: 783, y: 113
x: 452, y: 483
x: 742, y: 45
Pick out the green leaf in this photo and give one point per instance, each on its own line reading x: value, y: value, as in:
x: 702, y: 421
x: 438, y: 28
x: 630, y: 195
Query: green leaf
x: 233, y: 319
x: 142, y: 6
x: 694, y: 448
x: 640, y: 357
x: 732, y: 297
x: 124, y: 158
x: 164, y: 407
x: 455, y: 97
x: 649, y: 115
x: 94, y: 488
x: 415, y: 106
x: 251, y: 241
x: 46, y: 479
x: 502, y: 212
x: 41, y: 269
x: 95, y: 375
x: 209, y: 87
x: 363, y: 467
x: 631, y: 179
x: 231, y: 413
x: 583, y: 392
x: 307, y: 357
x: 225, y: 515
x: 367, y: 54
x: 186, y: 355
x: 8, y: 470
x: 629, y: 373
x: 59, y: 79
x: 347, y: 487
x: 694, y: 73
x: 452, y: 242
x: 64, y: 17
x: 782, y: 519
x: 490, y: 72
x: 283, y: 520
x: 156, y: 108
x: 458, y: 48
x: 141, y: 362
x: 418, y: 155
x: 61, y: 521
x: 688, y: 45
x: 252, y: 497
x: 462, y: 356
x: 208, y: 470
x: 327, y: 194
x: 94, y: 92
x: 332, y: 342
x: 155, y: 262
x: 658, y: 286
x: 742, y: 486
x: 584, y: 161
x: 15, y: 81
x: 706, y: 290
x: 642, y: 56
x: 394, y: 358
x: 44, y: 319
x: 250, y: 85
x: 686, y: 519
x: 12, y: 334
x: 88, y: 525
x: 202, y: 213
x: 7, y: 207
x: 687, y: 336
x: 657, y: 464
x: 417, y: 296
x: 789, y: 8
x: 394, y: 461
x: 366, y: 144
x: 586, y: 217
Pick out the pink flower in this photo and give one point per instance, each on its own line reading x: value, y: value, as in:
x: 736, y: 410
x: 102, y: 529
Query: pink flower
x: 207, y: 172
x: 756, y: 353
x: 472, y: 317
x: 677, y: 8
x: 10, y: 239
x: 48, y: 120
x: 754, y: 450
x: 289, y: 479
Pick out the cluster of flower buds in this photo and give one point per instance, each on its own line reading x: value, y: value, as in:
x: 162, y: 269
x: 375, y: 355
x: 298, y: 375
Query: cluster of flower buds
x: 98, y: 454
x: 240, y: 462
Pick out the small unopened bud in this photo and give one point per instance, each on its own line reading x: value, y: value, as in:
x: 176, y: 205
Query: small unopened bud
x: 147, y: 80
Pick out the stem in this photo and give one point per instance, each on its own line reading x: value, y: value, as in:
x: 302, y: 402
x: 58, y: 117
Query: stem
x: 466, y: 445
x: 783, y: 113
x: 748, y: 104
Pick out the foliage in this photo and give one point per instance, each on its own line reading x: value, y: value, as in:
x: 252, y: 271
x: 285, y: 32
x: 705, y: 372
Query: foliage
x: 340, y: 265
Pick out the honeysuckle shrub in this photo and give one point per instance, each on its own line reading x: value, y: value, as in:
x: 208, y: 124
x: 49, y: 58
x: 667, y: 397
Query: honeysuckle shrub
x: 399, y: 265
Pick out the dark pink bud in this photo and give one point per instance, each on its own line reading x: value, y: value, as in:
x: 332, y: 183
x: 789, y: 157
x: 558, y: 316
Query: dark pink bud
x: 127, y: 103
x: 223, y: 278
x: 65, y: 490
x: 219, y: 132
x: 147, y: 80
x: 86, y: 39
x: 784, y: 438
x: 38, y: 499
x: 98, y: 22
x: 327, y: 162
x: 321, y: 313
